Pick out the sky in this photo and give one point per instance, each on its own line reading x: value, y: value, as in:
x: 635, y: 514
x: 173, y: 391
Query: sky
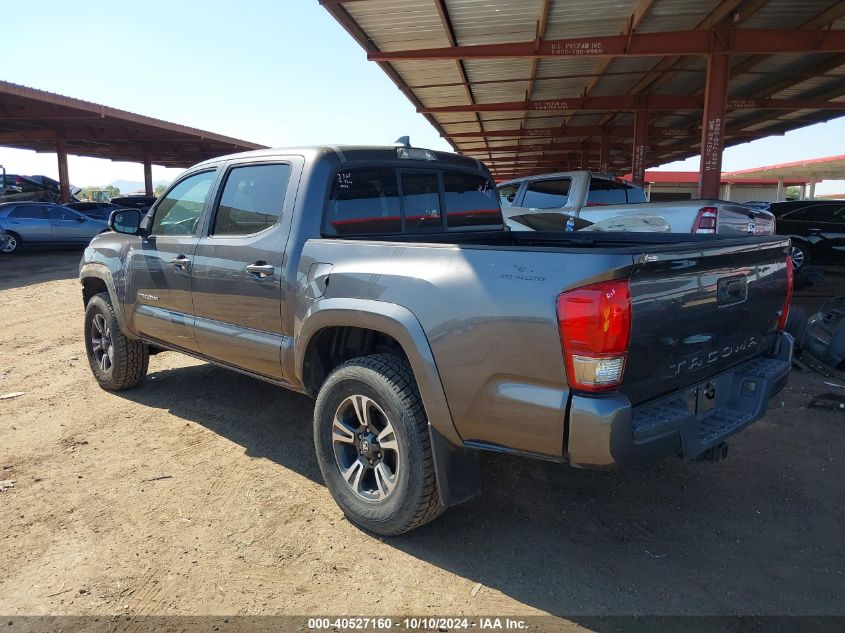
x: 276, y: 72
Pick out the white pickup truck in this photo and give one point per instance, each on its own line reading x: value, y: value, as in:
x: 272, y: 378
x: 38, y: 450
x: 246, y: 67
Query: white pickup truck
x: 578, y: 199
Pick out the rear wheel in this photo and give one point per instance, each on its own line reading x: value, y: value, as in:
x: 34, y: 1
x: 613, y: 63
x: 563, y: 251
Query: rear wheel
x: 12, y: 244
x: 799, y: 255
x: 116, y: 361
x: 373, y: 446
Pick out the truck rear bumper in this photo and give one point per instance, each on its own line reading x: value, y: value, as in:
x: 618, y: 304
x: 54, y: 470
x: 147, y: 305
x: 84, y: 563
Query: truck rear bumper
x: 606, y: 431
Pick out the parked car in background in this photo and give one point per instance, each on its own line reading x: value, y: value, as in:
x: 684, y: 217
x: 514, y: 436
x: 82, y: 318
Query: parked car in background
x: 16, y: 187
x: 142, y: 203
x: 96, y: 210
x: 598, y: 197
x: 816, y: 228
x: 44, y: 223
x: 53, y: 185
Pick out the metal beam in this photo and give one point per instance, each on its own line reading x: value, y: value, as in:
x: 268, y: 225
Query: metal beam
x: 61, y: 156
x: 638, y: 157
x: 635, y: 102
x: 616, y: 131
x: 604, y: 154
x: 691, y: 42
x: 148, y: 171
x: 713, y: 125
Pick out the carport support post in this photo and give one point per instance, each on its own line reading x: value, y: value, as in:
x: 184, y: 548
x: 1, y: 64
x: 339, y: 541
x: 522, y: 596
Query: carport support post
x: 713, y: 124
x: 640, y: 140
x: 604, y: 155
x: 61, y: 153
x: 780, y: 188
x: 148, y: 172
x: 813, y: 188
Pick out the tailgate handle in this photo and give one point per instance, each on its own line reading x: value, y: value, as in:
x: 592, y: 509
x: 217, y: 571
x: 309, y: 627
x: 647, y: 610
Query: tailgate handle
x: 731, y: 290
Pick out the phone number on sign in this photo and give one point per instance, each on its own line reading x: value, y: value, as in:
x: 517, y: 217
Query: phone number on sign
x: 377, y: 624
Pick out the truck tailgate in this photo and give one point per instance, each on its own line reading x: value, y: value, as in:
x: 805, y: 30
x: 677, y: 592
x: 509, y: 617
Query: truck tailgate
x: 699, y: 310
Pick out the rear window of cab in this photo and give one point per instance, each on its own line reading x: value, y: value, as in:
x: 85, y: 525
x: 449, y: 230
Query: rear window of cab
x: 387, y: 200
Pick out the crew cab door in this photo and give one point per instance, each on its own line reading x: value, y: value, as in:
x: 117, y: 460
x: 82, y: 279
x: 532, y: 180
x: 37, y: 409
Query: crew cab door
x: 160, y: 267
x: 237, y: 274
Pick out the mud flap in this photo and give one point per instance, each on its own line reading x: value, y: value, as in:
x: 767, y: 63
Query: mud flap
x: 458, y: 470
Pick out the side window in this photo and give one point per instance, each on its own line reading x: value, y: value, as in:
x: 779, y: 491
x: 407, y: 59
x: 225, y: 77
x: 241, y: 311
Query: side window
x: 421, y: 199
x: 28, y: 211
x: 252, y: 199
x: 604, y: 191
x: 179, y: 211
x: 635, y: 194
x: 507, y: 194
x: 798, y: 215
x: 824, y: 213
x: 547, y: 194
x: 57, y: 212
x: 813, y: 213
x: 470, y: 200
x: 363, y: 201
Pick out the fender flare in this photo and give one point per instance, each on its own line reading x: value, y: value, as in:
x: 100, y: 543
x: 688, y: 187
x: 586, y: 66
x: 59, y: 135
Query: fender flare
x: 458, y: 469
x: 100, y: 271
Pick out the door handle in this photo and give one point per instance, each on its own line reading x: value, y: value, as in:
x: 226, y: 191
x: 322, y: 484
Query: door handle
x: 180, y: 261
x: 262, y: 271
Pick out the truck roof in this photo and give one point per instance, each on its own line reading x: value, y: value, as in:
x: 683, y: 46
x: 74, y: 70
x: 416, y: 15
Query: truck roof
x: 349, y: 153
x: 560, y: 174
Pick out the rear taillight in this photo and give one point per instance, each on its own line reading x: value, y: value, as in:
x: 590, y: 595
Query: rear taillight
x: 784, y: 311
x: 595, y: 327
x: 705, y: 221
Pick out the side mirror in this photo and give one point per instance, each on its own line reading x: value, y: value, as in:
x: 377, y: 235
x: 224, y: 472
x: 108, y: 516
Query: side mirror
x: 125, y: 221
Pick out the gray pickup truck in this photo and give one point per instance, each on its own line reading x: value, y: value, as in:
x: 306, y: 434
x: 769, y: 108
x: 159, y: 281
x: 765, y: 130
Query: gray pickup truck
x: 382, y: 282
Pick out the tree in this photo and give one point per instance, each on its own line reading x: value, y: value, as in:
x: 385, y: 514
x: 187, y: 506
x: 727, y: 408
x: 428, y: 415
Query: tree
x: 793, y: 193
x: 159, y: 190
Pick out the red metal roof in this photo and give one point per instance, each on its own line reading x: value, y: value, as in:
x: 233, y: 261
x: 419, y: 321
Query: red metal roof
x: 550, y: 85
x: 34, y: 119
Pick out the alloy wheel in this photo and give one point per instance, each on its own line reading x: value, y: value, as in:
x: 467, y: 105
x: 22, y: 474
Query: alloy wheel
x: 102, y: 346
x: 798, y: 257
x: 366, y: 449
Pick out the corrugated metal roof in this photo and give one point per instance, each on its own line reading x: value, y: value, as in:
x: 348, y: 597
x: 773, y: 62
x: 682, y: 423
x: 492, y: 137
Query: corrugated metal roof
x: 384, y: 26
x: 31, y: 118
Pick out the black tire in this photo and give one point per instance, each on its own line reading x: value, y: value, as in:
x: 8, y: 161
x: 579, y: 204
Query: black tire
x: 388, y: 381
x: 800, y: 255
x: 14, y: 245
x: 129, y: 358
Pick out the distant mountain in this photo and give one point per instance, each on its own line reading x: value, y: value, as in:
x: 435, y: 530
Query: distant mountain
x: 128, y: 186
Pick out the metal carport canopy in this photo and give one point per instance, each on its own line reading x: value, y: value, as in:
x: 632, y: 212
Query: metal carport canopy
x: 48, y: 122
x: 570, y: 83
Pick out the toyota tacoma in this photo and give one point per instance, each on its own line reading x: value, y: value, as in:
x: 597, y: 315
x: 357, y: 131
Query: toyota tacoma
x: 382, y: 282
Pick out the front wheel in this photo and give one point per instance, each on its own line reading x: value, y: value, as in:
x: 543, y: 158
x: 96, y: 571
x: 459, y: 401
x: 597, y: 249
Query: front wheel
x: 373, y: 447
x: 116, y: 361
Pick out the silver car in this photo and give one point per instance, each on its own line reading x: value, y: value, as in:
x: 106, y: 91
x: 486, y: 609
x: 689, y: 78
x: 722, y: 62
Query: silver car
x: 45, y: 223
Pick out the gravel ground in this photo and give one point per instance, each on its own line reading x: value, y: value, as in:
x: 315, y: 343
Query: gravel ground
x: 198, y: 493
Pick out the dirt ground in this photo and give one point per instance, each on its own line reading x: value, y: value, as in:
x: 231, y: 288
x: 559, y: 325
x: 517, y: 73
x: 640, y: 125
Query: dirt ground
x: 198, y: 493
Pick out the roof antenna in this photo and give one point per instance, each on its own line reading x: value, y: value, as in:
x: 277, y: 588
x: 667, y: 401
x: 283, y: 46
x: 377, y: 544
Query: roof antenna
x: 402, y: 141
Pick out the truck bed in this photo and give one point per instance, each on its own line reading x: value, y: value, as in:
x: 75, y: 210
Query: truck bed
x: 486, y: 301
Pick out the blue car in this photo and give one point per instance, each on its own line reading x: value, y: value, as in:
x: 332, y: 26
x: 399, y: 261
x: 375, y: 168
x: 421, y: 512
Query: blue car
x: 45, y: 223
